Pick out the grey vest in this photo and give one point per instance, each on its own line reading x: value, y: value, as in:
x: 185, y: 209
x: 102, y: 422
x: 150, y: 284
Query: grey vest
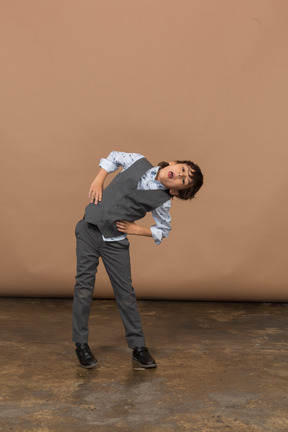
x: 122, y: 201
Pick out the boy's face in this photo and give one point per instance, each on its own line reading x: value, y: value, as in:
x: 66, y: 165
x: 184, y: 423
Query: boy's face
x: 175, y: 177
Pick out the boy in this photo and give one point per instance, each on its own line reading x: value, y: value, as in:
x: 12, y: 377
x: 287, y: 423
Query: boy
x: 109, y: 217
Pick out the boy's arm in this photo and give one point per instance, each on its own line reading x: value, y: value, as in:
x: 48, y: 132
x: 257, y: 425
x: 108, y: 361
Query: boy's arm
x: 162, y: 218
x: 158, y: 231
x: 96, y: 188
x: 118, y: 159
x: 108, y: 165
x: 133, y: 228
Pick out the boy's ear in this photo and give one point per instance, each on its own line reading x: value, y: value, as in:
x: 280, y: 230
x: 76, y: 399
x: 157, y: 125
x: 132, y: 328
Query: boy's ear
x: 173, y: 192
x: 172, y: 163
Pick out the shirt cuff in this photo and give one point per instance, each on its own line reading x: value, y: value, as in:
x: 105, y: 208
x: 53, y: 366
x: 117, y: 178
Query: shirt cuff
x: 157, y: 234
x: 107, y: 165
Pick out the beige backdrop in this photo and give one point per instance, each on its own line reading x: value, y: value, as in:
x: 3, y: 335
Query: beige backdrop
x: 198, y: 79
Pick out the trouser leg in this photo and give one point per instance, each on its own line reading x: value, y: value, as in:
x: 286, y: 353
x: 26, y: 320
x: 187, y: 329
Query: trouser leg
x: 88, y: 244
x: 116, y: 259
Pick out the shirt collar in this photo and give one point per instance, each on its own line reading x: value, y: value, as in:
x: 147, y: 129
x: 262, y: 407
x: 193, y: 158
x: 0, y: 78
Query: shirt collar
x: 153, y: 172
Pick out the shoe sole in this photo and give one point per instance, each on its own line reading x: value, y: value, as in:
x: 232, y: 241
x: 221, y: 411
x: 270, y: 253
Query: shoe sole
x: 154, y: 365
x: 88, y: 366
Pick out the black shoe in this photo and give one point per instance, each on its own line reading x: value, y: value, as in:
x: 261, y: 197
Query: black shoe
x: 142, y: 356
x: 85, y: 356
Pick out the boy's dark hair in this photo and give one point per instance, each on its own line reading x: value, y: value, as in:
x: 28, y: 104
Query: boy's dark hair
x: 197, y: 180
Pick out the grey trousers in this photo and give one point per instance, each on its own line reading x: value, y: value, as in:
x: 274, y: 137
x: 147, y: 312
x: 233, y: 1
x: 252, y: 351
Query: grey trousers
x: 116, y: 259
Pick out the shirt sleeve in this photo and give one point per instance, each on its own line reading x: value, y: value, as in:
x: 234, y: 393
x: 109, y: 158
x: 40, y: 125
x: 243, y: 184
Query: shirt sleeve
x: 162, y: 219
x: 117, y: 159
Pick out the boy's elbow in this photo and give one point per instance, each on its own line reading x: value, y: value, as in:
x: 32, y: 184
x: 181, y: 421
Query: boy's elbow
x: 166, y: 233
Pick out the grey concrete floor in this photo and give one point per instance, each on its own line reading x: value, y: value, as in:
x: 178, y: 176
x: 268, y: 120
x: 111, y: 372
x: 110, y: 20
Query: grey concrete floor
x: 221, y: 366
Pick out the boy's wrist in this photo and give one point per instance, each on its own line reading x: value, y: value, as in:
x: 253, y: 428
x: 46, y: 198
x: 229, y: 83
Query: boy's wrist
x: 102, y: 174
x: 143, y: 231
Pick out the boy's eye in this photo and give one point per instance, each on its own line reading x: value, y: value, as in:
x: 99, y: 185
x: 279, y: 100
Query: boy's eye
x: 183, y: 181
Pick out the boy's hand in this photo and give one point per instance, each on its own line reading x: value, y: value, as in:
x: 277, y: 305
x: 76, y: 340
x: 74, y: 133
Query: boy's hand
x: 95, y: 191
x: 127, y: 227
x: 133, y: 228
x: 96, y: 188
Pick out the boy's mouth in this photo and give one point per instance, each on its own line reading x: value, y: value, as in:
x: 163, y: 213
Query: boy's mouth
x: 170, y: 174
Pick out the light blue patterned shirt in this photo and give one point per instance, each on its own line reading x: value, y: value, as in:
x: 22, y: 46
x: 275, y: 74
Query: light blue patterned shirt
x: 161, y: 214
